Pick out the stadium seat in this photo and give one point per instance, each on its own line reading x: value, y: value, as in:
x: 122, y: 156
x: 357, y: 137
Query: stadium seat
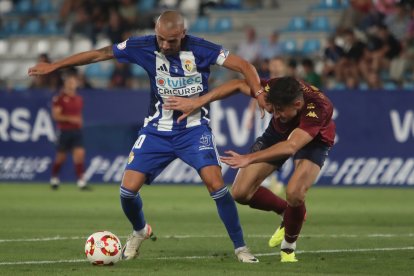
x: 297, y: 23
x: 146, y: 5
x: 4, y: 47
x: 51, y: 27
x: 232, y: 4
x: 320, y: 24
x: 311, y: 47
x: 200, y: 25
x: 60, y: 48
x: 81, y: 45
x: 389, y: 85
x: 20, y: 48
x: 224, y: 24
x: 138, y: 71
x: 8, y: 69
x: 40, y: 46
x: 329, y: 4
x: 43, y: 6
x: 102, y: 42
x: 408, y: 86
x: 12, y: 26
x: 289, y: 46
x: 22, y: 6
x: 99, y: 70
x: 32, y: 27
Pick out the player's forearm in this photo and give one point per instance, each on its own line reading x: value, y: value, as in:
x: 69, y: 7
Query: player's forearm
x: 64, y: 118
x: 224, y: 91
x: 85, y: 58
x: 251, y: 76
x: 277, y: 151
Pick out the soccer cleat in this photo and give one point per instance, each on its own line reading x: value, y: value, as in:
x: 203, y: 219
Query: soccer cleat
x: 131, y: 247
x: 286, y: 257
x: 54, y: 183
x: 278, y: 236
x: 243, y: 255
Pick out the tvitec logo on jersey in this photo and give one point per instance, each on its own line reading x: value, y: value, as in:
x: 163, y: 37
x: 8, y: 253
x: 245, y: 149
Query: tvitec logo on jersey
x: 179, y: 86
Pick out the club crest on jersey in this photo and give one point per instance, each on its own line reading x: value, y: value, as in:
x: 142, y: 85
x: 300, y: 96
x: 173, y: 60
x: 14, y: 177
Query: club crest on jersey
x: 188, y: 65
x: 122, y: 45
x: 312, y: 114
x: 267, y: 88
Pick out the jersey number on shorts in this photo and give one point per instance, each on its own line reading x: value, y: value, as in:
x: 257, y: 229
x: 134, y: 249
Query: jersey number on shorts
x: 139, y: 141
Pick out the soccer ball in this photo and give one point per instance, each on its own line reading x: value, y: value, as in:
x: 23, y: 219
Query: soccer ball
x: 103, y: 248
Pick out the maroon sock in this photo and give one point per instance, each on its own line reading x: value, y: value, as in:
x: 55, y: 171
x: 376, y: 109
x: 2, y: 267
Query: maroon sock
x: 80, y: 169
x: 56, y: 169
x: 293, y: 220
x: 265, y: 200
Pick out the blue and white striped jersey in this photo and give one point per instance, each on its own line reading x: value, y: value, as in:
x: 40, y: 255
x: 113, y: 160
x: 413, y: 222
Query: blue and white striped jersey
x: 185, y: 75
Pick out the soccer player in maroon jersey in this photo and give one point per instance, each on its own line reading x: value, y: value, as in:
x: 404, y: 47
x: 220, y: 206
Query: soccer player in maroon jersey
x: 301, y: 127
x: 67, y: 113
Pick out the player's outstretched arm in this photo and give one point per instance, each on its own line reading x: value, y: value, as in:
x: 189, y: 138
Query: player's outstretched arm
x: 297, y: 140
x: 188, y: 105
x: 74, y: 60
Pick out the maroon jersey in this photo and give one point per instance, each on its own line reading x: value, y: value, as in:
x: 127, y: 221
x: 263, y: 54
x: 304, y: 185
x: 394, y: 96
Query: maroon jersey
x: 70, y: 106
x: 315, y: 117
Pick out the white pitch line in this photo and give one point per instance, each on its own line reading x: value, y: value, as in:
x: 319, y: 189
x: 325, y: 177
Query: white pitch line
x: 210, y: 257
x: 59, y: 238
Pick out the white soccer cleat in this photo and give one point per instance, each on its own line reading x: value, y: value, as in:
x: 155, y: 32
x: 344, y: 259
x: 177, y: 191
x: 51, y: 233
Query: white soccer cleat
x: 81, y: 183
x: 243, y: 255
x: 131, y: 247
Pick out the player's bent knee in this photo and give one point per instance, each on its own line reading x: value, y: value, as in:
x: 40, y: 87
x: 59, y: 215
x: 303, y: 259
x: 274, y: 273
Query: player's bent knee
x: 295, y: 198
x: 239, y: 196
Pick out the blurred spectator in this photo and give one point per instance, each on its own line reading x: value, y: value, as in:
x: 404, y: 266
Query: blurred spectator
x: 83, y: 82
x: 382, y: 48
x: 333, y: 60
x: 50, y: 81
x: 292, y: 68
x: 398, y: 21
x: 354, y: 59
x: 116, y: 28
x: 271, y: 47
x: 249, y: 48
x: 310, y: 76
x: 121, y: 76
x: 360, y: 14
x: 277, y: 67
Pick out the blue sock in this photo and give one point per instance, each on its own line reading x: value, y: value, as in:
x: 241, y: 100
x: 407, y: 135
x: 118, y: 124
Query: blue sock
x: 228, y: 213
x: 132, y: 206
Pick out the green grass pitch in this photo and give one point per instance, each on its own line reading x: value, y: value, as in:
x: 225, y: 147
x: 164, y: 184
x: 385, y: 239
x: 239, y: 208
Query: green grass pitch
x: 349, y: 231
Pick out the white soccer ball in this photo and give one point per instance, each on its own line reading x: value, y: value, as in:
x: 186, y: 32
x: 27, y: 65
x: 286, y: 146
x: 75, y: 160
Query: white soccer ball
x: 103, y: 248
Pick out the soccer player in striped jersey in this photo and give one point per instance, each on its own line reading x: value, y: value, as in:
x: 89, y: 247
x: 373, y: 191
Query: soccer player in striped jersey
x: 177, y: 65
x: 301, y: 127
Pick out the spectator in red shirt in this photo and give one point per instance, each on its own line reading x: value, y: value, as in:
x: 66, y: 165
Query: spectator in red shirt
x: 67, y: 113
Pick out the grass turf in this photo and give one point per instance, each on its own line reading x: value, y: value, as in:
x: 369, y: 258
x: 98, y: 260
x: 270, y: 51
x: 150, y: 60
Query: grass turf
x: 348, y: 231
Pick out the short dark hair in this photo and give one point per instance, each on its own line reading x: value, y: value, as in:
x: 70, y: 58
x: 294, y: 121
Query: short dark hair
x: 283, y: 91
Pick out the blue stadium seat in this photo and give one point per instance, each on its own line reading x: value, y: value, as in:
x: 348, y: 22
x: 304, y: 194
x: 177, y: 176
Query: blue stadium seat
x: 321, y: 24
x: 389, y: 85
x: 99, y: 70
x: 297, y: 23
x: 224, y: 24
x: 201, y: 25
x: 32, y: 27
x: 12, y: 27
x: 311, y: 47
x: 23, y: 6
x: 146, y: 5
x: 329, y: 4
x: 138, y: 71
x: 51, y: 27
x: 289, y: 46
x: 43, y: 6
x: 232, y: 4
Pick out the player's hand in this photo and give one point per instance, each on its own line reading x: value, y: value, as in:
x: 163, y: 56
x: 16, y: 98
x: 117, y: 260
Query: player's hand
x: 41, y: 68
x: 263, y: 105
x: 185, y: 105
x: 235, y: 160
x: 76, y: 120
